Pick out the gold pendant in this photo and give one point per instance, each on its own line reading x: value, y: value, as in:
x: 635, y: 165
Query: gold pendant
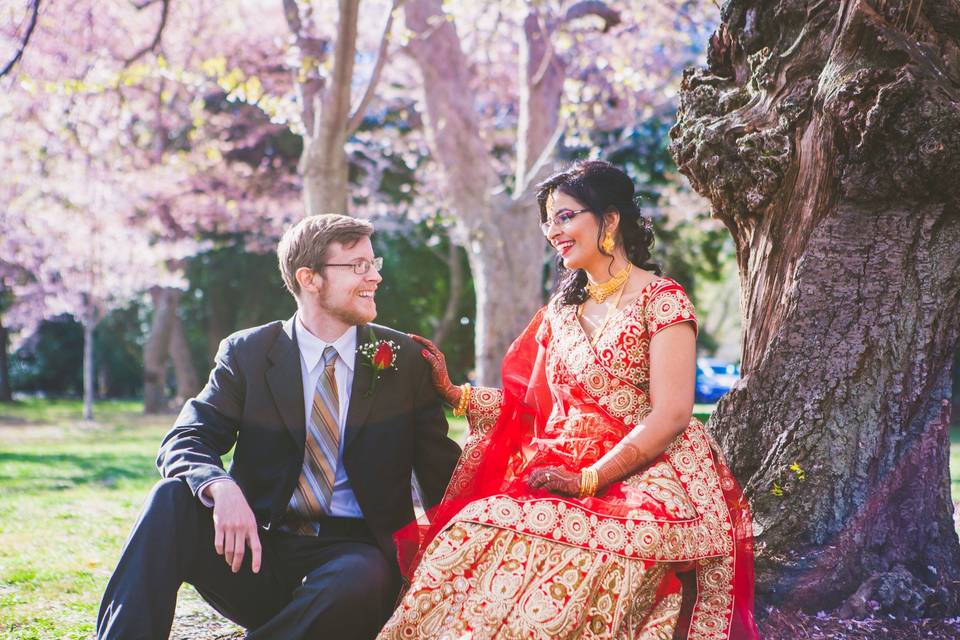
x: 600, y: 292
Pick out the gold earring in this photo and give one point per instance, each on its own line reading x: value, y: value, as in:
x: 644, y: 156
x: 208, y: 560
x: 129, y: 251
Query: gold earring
x: 608, y: 242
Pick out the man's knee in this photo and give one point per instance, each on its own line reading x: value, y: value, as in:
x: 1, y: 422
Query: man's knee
x: 367, y: 570
x: 171, y: 491
x: 170, y: 498
x: 363, y: 578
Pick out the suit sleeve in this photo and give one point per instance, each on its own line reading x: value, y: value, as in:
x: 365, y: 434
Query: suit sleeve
x: 207, y: 426
x: 435, y: 454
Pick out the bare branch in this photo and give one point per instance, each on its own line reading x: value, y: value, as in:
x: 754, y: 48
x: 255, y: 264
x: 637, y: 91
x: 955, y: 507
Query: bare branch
x: 610, y: 16
x: 310, y: 82
x: 341, y: 76
x: 292, y: 13
x: 547, y: 56
x: 382, y: 55
x: 34, y: 12
x: 158, y: 36
x: 539, y: 168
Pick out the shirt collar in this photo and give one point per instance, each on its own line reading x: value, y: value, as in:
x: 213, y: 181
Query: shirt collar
x: 312, y: 347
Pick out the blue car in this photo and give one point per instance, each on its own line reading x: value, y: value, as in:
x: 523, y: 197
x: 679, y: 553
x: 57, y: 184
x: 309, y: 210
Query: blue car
x: 714, y: 378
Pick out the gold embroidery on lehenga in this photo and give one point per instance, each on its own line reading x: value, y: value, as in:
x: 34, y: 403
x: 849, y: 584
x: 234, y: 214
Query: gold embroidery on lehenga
x: 660, y: 482
x: 484, y: 582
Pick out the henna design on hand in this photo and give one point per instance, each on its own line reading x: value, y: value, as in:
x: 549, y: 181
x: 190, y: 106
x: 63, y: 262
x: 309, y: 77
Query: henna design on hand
x: 438, y: 371
x: 555, y: 480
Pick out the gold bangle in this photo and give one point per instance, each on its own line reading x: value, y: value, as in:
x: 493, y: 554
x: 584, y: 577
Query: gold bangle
x: 461, y: 409
x: 589, y: 482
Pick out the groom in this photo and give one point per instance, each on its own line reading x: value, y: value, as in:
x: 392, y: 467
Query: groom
x: 295, y: 540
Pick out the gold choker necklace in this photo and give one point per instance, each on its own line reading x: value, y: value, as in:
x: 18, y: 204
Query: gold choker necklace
x: 600, y: 292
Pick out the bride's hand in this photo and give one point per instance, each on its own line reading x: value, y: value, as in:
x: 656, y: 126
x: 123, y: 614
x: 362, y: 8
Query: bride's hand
x: 438, y: 367
x: 555, y: 479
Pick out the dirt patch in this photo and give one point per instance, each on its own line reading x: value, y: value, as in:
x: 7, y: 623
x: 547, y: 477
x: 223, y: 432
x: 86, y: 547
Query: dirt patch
x: 779, y: 625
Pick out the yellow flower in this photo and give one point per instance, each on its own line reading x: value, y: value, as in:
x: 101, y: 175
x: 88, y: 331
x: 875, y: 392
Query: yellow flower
x: 776, y: 490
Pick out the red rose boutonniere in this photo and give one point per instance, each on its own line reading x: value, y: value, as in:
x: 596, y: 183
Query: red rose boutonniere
x: 379, y: 355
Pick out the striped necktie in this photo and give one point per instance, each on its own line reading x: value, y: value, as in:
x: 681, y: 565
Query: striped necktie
x: 311, y: 498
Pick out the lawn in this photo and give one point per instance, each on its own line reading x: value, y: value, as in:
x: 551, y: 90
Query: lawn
x: 69, y: 493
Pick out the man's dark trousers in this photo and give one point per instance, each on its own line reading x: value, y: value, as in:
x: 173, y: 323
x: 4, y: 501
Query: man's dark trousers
x: 334, y: 585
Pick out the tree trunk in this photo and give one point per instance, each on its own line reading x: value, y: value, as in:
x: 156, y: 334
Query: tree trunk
x: 157, y: 348
x: 452, y: 310
x: 503, y: 241
x: 325, y: 104
x: 826, y: 136
x: 506, y: 257
x: 188, y: 383
x: 6, y: 393
x: 88, y: 379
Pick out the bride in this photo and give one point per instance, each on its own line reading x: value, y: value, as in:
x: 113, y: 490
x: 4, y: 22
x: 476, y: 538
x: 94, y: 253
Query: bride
x: 588, y: 503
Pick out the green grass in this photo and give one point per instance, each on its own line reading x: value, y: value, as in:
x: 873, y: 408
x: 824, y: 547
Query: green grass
x: 69, y: 492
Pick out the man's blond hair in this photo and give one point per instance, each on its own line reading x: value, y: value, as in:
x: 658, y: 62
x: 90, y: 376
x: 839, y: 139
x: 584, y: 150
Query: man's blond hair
x: 305, y: 244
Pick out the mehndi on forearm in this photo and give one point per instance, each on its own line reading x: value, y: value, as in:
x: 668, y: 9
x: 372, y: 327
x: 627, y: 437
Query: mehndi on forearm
x: 637, y: 449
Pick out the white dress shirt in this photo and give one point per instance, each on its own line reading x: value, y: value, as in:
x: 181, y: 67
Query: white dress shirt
x: 343, y: 503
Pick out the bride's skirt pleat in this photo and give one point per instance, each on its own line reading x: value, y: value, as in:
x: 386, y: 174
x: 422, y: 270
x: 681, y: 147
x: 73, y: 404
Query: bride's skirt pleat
x: 478, y: 582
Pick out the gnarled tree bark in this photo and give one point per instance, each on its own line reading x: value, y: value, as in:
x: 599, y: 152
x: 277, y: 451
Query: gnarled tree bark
x: 827, y: 137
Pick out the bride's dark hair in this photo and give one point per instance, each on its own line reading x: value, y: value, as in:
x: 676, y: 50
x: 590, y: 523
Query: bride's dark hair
x: 601, y: 188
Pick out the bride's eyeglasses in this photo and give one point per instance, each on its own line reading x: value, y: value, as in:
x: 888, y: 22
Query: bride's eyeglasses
x: 561, y: 218
x: 360, y: 267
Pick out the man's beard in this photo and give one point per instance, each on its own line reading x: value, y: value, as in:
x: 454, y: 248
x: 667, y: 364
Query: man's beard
x: 351, y: 317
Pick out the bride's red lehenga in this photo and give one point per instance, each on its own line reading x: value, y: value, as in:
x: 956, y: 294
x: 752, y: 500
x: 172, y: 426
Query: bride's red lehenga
x: 664, y: 553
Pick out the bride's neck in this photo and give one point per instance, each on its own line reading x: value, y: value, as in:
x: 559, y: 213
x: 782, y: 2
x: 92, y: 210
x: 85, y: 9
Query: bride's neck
x: 602, y: 270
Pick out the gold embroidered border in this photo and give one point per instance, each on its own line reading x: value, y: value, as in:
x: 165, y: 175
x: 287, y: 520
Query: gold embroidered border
x: 568, y: 523
x: 713, y: 610
x: 619, y: 398
x: 483, y: 409
x: 482, y: 413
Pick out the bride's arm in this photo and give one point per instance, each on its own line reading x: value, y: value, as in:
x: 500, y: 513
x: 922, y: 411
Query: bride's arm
x: 481, y: 407
x: 673, y: 355
x: 673, y: 367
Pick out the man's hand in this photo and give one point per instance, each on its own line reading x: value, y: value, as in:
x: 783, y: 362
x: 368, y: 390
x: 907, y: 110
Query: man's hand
x: 555, y: 479
x: 234, y: 525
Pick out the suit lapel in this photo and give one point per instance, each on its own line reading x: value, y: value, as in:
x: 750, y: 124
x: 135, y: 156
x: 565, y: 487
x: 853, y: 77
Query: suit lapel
x: 285, y: 381
x: 360, y: 402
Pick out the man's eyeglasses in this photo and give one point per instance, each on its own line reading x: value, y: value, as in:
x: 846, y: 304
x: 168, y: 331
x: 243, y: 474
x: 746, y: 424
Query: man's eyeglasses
x: 561, y: 218
x: 360, y: 267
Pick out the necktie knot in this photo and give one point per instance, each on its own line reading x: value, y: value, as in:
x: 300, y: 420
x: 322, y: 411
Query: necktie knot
x: 329, y: 355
